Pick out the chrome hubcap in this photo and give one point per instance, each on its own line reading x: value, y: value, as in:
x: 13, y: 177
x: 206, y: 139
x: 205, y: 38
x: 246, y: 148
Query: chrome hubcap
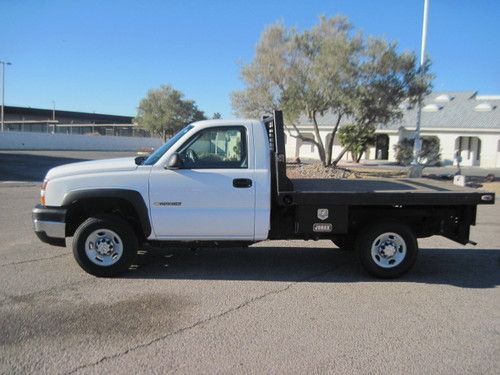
x: 104, y: 247
x: 388, y: 250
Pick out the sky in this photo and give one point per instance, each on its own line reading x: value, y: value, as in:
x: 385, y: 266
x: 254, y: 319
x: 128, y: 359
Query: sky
x: 103, y: 56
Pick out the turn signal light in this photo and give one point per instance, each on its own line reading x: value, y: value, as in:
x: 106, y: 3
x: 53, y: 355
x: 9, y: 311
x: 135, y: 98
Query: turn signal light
x: 42, y: 192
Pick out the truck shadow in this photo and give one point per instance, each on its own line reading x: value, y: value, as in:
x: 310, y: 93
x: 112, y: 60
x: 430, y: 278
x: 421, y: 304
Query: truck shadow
x: 465, y: 268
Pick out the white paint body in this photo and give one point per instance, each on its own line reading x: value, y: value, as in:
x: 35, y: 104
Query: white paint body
x: 210, y: 207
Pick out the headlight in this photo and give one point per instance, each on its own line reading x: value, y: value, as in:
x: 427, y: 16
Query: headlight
x: 42, y: 192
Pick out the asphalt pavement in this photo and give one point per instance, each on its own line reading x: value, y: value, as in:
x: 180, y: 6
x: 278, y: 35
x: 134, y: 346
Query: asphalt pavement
x: 275, y: 307
x: 31, y: 166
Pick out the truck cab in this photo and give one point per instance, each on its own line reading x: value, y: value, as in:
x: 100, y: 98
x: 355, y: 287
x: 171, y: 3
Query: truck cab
x: 213, y: 184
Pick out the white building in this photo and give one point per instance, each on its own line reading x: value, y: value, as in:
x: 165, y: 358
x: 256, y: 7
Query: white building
x: 462, y: 121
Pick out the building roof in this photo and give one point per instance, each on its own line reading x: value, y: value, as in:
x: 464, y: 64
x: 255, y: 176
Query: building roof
x: 440, y: 110
x: 457, y: 110
x: 47, y: 113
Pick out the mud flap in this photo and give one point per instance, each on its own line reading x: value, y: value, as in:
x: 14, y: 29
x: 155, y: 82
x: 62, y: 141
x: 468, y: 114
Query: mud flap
x: 457, y: 227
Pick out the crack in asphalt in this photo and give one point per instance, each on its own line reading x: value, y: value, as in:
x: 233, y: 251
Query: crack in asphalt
x: 33, y: 260
x: 206, y: 320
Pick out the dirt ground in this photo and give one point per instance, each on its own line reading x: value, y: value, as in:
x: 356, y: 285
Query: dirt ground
x: 492, y: 186
x: 316, y: 170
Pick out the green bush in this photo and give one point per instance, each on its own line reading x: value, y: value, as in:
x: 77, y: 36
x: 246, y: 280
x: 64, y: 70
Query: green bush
x: 429, y: 154
x: 357, y: 139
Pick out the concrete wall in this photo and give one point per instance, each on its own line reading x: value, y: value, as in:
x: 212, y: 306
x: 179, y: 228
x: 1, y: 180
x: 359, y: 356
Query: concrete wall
x: 295, y: 147
x: 484, y: 144
x: 490, y: 150
x: 497, y: 164
x: 41, y: 141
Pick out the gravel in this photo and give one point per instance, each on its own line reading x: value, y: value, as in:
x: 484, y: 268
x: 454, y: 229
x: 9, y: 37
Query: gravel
x: 317, y: 170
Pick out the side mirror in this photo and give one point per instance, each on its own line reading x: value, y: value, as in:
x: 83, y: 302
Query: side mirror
x: 140, y: 159
x: 175, y: 162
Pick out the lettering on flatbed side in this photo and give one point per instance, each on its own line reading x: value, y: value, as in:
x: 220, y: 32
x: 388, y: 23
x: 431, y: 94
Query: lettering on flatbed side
x: 167, y: 204
x: 322, y: 227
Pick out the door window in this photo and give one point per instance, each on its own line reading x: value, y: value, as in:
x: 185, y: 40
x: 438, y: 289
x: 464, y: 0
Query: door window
x: 223, y: 147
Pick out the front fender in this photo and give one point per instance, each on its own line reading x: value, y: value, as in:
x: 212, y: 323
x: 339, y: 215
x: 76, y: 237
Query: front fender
x: 134, y: 197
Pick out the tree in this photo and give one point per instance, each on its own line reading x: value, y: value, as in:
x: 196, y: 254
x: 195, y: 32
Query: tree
x: 216, y: 116
x: 356, y: 139
x: 386, y: 79
x: 429, y: 153
x: 328, y: 69
x: 299, y: 73
x: 322, y: 77
x: 266, y: 75
x: 164, y: 111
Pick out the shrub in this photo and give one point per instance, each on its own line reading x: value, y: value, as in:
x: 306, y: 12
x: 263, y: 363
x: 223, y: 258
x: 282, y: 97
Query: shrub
x: 357, y: 139
x: 429, y: 154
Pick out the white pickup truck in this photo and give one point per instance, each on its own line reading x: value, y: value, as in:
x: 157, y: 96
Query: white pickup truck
x: 224, y: 183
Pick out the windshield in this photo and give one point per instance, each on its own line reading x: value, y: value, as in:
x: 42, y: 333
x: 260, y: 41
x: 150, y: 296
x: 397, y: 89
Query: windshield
x: 155, y: 156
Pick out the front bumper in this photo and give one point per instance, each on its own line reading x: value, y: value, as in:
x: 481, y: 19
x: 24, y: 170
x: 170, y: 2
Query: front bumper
x: 49, y: 224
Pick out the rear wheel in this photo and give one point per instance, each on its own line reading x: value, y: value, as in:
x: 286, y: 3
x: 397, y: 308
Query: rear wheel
x: 387, y: 250
x: 105, y: 246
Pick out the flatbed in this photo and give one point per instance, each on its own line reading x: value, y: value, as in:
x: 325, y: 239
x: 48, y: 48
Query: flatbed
x: 382, y: 191
x: 368, y: 215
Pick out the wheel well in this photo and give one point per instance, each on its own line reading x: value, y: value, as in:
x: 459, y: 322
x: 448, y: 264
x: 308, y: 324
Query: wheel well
x: 82, y: 209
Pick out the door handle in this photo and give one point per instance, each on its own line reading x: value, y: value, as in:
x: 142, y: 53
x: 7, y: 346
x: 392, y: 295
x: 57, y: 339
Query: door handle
x: 242, y: 183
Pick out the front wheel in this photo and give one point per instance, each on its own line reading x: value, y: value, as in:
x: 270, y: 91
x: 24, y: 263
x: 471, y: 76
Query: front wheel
x: 387, y: 250
x: 105, y: 245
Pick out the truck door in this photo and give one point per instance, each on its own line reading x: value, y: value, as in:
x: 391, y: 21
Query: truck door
x: 213, y: 195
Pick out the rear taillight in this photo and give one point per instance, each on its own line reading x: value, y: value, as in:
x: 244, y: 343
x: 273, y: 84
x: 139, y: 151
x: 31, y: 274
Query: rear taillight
x: 487, y: 198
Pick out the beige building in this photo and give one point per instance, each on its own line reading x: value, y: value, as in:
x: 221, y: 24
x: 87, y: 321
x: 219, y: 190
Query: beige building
x: 464, y: 122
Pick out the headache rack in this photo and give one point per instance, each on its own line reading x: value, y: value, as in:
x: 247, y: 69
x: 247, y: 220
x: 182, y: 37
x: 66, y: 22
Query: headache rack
x: 280, y: 183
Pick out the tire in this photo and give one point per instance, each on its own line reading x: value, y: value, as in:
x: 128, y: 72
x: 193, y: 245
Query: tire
x: 387, y: 250
x: 105, y: 246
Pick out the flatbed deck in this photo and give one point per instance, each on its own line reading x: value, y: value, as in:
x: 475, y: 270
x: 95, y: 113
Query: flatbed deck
x: 383, y: 192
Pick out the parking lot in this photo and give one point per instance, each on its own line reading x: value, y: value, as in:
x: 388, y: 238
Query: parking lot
x: 275, y: 307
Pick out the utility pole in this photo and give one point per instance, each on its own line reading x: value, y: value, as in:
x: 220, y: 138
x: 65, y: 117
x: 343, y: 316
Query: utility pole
x: 3, y: 90
x: 53, y: 110
x: 416, y: 169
